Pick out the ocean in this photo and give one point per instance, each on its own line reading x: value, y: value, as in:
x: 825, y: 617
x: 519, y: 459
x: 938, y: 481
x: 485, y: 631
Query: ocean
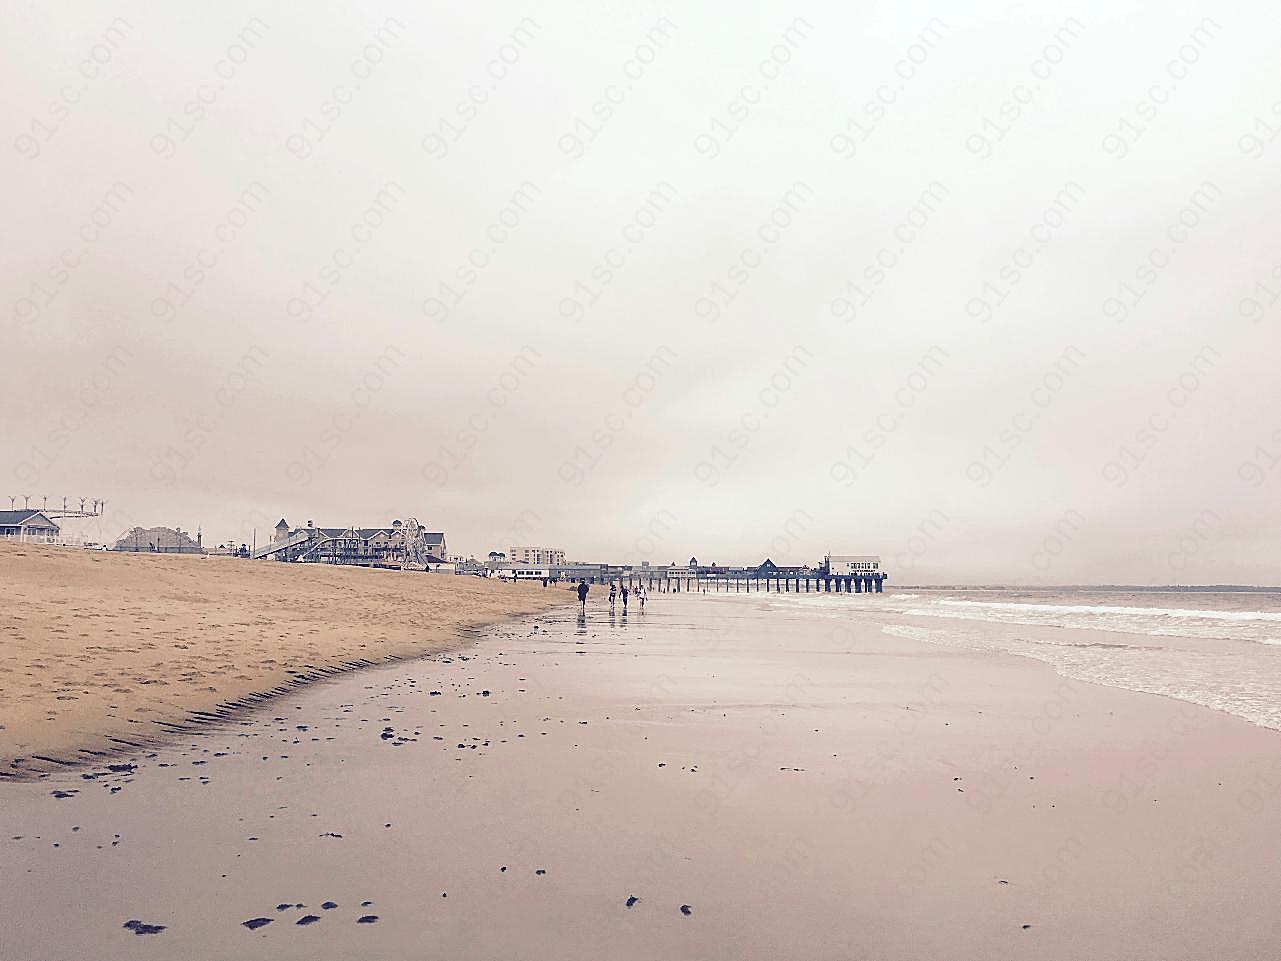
x: 1217, y: 648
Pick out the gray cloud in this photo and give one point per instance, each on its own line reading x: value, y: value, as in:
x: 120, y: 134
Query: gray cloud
x: 997, y: 299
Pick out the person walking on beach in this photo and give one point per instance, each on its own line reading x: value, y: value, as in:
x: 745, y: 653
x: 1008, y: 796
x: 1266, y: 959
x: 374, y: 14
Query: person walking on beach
x: 613, y: 595
x: 641, y: 594
x: 625, y: 593
x: 582, y: 596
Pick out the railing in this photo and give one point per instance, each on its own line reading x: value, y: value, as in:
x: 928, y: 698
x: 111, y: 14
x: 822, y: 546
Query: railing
x: 26, y: 537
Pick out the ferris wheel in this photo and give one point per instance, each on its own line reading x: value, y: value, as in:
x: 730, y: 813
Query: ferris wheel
x: 416, y: 552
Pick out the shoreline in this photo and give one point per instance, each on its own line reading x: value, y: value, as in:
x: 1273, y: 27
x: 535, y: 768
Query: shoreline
x: 197, y: 721
x: 170, y: 643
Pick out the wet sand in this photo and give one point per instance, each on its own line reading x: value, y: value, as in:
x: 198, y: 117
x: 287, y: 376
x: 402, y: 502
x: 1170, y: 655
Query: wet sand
x: 805, y: 787
x: 103, y: 650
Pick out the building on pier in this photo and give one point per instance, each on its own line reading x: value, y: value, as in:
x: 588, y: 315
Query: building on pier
x: 769, y: 569
x: 846, y: 565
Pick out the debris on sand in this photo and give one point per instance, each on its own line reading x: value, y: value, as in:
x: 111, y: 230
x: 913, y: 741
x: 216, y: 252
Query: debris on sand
x: 138, y: 927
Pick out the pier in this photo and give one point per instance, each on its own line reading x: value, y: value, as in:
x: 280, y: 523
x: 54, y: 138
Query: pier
x: 838, y: 574
x: 795, y: 584
x: 816, y: 582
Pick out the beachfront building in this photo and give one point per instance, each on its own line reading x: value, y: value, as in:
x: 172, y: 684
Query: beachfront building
x: 356, y: 546
x: 158, y: 540
x: 28, y: 526
x: 535, y: 556
x: 581, y: 571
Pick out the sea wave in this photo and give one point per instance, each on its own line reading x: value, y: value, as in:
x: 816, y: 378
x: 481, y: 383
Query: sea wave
x: 1234, y: 681
x: 1253, y: 626
x: 1116, y: 609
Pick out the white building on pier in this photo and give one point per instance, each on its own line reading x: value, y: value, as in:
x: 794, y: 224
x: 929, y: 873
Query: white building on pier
x: 845, y: 565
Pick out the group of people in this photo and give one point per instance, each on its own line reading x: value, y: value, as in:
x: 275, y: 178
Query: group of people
x: 615, y: 589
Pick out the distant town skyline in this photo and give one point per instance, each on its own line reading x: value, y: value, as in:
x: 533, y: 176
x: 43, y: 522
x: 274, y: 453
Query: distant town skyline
x: 997, y: 301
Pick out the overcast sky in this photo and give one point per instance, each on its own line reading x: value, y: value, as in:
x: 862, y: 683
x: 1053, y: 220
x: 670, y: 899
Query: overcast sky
x: 994, y: 293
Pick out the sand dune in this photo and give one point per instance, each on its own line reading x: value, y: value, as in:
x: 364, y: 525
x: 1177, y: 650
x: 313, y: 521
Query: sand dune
x: 100, y: 648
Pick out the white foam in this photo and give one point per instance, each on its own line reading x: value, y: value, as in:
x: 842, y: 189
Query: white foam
x: 1261, y: 627
x: 1117, y: 609
x: 1235, y: 682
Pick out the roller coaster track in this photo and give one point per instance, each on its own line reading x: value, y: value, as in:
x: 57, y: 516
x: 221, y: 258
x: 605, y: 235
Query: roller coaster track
x: 294, y: 540
x: 310, y: 545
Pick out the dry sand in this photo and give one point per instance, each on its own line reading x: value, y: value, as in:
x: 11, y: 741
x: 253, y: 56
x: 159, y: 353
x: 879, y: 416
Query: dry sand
x: 100, y: 648
x: 807, y: 785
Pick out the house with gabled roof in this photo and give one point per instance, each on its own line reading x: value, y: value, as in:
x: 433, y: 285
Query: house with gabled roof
x: 769, y: 569
x: 27, y: 525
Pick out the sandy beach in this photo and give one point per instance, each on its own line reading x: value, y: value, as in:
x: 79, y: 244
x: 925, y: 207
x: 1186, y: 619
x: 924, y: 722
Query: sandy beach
x: 103, y: 651
x: 721, y: 778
